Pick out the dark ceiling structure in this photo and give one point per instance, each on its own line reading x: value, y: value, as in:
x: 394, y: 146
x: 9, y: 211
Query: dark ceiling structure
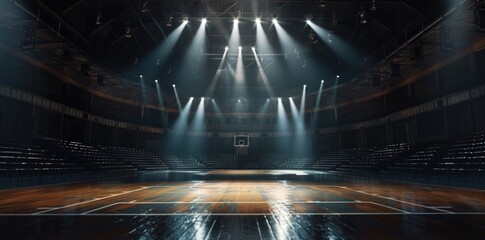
x: 116, y: 41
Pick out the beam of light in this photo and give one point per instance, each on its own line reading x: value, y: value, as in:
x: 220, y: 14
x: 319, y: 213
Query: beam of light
x: 166, y: 48
x: 181, y: 122
x: 215, y: 78
x: 317, y: 105
x: 159, y: 93
x: 239, y: 107
x: 264, y: 77
x: 240, y: 76
x: 262, y: 42
x: 342, y: 49
x: 194, y: 61
x: 160, y: 102
x: 282, y: 121
x: 296, y: 60
x: 302, y: 104
x: 296, y: 116
x: 198, y: 121
x: 264, y: 108
x: 300, y: 143
x: 234, y: 40
x: 204, y: 21
x: 216, y: 108
x: 283, y: 143
x: 143, y: 89
x: 179, y: 105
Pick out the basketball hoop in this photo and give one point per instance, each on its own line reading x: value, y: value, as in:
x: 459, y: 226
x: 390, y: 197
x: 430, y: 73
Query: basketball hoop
x: 241, y: 143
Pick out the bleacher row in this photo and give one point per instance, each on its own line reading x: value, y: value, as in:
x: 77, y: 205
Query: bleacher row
x: 462, y: 156
x: 53, y: 157
x: 465, y: 155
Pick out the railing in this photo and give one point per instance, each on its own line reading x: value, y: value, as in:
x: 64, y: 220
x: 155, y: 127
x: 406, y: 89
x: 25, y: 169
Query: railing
x: 446, y: 101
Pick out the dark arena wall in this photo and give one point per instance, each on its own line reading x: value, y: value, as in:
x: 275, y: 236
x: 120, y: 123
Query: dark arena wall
x: 242, y: 119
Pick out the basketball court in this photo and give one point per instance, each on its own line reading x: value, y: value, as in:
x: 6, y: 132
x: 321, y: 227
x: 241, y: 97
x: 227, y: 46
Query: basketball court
x: 265, y: 203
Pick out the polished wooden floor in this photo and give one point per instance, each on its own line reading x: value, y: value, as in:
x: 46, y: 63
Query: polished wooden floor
x: 224, y: 205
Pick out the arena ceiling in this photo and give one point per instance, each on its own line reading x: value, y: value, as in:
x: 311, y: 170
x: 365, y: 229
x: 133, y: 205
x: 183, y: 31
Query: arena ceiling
x: 121, y: 40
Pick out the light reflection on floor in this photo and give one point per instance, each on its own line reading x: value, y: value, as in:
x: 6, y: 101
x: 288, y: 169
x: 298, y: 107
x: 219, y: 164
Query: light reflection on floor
x: 228, y: 204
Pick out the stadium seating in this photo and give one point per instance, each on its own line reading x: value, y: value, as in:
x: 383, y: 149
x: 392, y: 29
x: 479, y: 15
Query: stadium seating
x: 462, y: 156
x: 141, y: 160
x: 465, y: 156
x: 22, y: 158
x: 89, y: 157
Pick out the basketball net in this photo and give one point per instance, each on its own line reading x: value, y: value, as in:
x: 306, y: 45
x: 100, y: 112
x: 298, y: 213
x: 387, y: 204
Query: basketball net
x: 241, y: 150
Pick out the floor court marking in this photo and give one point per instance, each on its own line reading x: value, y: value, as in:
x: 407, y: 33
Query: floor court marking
x: 99, y: 208
x: 296, y: 202
x: 93, y: 200
x: 405, y: 202
x: 249, y: 202
x: 233, y: 214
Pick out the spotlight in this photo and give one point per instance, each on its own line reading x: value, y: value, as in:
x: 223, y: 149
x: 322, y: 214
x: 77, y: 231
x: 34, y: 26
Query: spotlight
x: 362, y: 17
x: 213, y: 100
x: 304, y: 85
x: 322, y: 3
x: 323, y: 81
x: 239, y: 100
x: 141, y: 75
x: 202, y: 98
x: 98, y: 20
x: 156, y: 80
x: 373, y: 6
x: 145, y: 7
x: 290, y: 98
x: 169, y: 23
x: 236, y: 21
x: 99, y: 17
x: 173, y: 85
x: 240, y: 48
x: 279, y: 99
x: 258, y: 20
x: 338, y: 76
x: 204, y: 20
x: 226, y: 48
x: 186, y: 19
x: 308, y: 18
x: 268, y: 100
x: 275, y: 20
x: 191, y: 98
x: 253, y: 48
x: 128, y: 32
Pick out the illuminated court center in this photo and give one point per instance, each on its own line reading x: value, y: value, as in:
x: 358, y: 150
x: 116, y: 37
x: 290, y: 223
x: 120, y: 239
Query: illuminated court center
x: 242, y: 119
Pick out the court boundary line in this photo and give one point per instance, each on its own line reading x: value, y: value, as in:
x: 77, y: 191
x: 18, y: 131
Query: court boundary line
x: 85, y: 181
x: 402, y: 182
x: 397, y: 200
x: 231, y: 214
x: 256, y: 202
x: 259, y: 202
x: 88, y: 201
